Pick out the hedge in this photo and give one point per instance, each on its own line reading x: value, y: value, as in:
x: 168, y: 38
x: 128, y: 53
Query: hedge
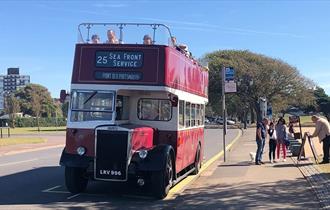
x: 43, y: 122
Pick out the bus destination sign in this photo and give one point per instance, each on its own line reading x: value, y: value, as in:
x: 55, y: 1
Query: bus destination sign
x: 123, y: 76
x: 119, y: 59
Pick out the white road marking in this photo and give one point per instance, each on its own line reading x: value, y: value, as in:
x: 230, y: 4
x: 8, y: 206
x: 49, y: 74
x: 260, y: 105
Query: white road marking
x: 18, y: 162
x: 58, y: 192
x: 73, y: 196
x: 52, y: 188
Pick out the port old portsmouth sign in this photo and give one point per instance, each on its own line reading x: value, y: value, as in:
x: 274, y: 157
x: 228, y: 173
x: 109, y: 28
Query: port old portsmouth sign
x: 123, y: 76
x: 119, y: 59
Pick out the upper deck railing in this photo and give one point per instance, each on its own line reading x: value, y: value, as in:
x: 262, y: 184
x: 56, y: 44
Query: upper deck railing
x: 125, y: 33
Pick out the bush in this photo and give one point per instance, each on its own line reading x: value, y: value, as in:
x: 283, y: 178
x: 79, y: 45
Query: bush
x: 43, y: 122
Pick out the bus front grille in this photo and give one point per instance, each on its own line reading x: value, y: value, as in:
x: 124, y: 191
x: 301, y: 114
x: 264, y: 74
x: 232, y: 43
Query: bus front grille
x: 111, y: 155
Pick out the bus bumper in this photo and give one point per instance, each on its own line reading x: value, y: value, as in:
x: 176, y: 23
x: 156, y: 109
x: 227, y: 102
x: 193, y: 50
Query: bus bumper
x: 75, y: 160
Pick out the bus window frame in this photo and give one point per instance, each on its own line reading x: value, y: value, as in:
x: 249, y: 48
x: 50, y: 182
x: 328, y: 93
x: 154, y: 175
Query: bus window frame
x: 187, y: 119
x: 193, y: 115
x: 183, y: 114
x: 163, y: 99
x: 91, y: 91
x: 92, y: 111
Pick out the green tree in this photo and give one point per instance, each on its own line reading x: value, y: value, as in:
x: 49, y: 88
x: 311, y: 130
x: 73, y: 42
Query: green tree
x: 11, y: 108
x: 43, y: 96
x: 258, y: 76
x: 36, y: 100
x: 322, y: 102
x: 36, y: 106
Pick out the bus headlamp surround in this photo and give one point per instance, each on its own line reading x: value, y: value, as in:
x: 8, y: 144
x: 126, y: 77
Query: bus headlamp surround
x: 81, y: 151
x: 143, y: 153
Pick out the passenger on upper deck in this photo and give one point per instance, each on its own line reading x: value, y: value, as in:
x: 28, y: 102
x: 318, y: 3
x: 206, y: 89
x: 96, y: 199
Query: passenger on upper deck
x: 111, y: 37
x: 95, y: 39
x: 173, y: 40
x: 147, y: 40
x: 184, y: 49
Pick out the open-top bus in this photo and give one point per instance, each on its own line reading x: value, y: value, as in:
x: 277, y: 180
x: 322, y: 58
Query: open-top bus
x: 136, y: 111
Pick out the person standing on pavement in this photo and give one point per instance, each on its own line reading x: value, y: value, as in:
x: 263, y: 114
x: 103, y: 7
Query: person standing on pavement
x: 281, y: 134
x: 272, y: 142
x: 260, y: 139
x: 322, y: 130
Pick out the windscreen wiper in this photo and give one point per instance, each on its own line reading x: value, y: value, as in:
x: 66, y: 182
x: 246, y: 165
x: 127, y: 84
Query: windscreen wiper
x: 90, y: 97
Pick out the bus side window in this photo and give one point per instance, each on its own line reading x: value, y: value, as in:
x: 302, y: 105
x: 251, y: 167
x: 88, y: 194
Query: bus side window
x: 202, y: 114
x: 187, y: 114
x: 181, y: 114
x: 122, y: 108
x: 193, y: 114
x: 198, y: 114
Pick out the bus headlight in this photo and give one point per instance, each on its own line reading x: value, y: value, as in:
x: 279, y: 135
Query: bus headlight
x: 143, y: 153
x: 81, y: 151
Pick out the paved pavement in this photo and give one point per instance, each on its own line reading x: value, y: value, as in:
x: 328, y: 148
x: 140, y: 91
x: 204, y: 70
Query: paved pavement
x: 239, y: 184
x: 317, y: 179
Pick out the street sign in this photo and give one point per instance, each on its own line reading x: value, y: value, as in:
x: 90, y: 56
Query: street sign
x: 229, y: 73
x: 230, y: 87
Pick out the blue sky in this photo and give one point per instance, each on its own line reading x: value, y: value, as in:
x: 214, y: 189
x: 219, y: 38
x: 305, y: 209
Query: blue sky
x: 39, y: 36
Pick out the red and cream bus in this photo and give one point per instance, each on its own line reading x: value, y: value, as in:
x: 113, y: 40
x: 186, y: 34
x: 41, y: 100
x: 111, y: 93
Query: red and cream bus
x: 136, y: 111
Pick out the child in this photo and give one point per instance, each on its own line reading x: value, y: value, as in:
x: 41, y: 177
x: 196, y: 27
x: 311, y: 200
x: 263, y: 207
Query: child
x: 272, y: 142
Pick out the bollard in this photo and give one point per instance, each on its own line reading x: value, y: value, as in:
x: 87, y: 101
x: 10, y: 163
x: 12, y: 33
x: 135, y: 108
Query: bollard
x: 1, y: 132
x: 8, y: 132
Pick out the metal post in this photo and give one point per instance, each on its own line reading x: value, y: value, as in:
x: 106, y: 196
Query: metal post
x: 88, y: 31
x: 154, y: 34
x: 121, y: 36
x: 224, y: 113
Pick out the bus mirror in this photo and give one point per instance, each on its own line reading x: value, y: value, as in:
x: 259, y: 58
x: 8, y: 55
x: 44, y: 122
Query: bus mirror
x: 174, y: 101
x: 63, y: 96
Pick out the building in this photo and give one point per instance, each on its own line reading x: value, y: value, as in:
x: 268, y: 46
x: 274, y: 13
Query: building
x: 11, y: 82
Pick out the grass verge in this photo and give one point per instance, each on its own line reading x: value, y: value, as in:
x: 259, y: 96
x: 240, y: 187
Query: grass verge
x: 33, y: 130
x: 15, y: 141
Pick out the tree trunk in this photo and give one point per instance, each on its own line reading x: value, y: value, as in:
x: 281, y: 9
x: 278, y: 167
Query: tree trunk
x: 257, y: 110
x: 14, y: 122
x: 38, y: 124
x: 253, y: 118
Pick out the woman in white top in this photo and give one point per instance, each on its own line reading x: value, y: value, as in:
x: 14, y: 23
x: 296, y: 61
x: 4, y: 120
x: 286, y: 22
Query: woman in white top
x: 272, y: 142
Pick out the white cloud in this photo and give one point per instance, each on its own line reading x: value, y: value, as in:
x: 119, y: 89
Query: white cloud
x: 235, y: 30
x: 110, y: 5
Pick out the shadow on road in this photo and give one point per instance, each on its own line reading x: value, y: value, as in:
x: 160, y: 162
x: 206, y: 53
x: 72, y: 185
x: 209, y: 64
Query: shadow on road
x: 44, y: 187
x: 249, y: 196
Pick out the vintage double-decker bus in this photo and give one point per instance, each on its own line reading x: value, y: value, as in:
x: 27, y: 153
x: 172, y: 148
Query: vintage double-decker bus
x: 136, y: 110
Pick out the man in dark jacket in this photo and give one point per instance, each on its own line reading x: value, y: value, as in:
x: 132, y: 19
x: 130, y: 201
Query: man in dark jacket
x: 260, y: 139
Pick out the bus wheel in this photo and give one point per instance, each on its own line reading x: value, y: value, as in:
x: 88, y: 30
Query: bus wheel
x: 198, y: 161
x: 75, y: 179
x: 162, y: 180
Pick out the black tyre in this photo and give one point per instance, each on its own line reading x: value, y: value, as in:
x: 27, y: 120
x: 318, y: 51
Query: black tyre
x: 75, y: 179
x: 162, y: 181
x: 198, y: 161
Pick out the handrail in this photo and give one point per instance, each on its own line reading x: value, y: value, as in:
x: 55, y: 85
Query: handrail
x: 154, y: 26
